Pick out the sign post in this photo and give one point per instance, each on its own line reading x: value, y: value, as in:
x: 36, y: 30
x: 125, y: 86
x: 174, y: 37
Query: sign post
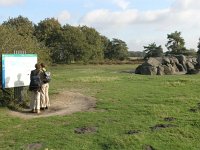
x: 16, y: 70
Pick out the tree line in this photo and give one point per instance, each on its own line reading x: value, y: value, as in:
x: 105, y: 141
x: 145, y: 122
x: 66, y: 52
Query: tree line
x: 58, y: 43
x: 175, y: 46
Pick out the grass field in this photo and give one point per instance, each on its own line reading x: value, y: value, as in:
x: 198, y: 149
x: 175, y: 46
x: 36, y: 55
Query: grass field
x: 133, y: 112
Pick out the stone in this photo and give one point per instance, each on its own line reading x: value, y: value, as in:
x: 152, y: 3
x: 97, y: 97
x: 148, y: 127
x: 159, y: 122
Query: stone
x: 192, y: 71
x: 165, y: 61
x: 189, y: 65
x: 152, y: 62
x: 168, y: 65
x: 180, y: 67
x: 168, y: 70
x: 148, y: 70
x: 160, y: 70
x: 138, y: 69
x: 181, y: 58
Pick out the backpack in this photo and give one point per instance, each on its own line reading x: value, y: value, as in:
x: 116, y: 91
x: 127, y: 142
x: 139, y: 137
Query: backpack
x: 47, y: 77
x: 35, y: 83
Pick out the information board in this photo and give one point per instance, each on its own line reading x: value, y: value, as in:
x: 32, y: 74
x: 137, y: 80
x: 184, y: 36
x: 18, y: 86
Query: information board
x: 16, y: 69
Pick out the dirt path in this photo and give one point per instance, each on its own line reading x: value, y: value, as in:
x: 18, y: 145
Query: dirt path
x: 62, y: 104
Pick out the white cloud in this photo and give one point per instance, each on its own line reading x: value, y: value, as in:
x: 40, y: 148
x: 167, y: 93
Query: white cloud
x: 153, y: 16
x: 181, y: 12
x: 10, y: 2
x: 134, y: 24
x: 63, y: 17
x: 103, y: 17
x: 121, y: 3
x: 186, y: 4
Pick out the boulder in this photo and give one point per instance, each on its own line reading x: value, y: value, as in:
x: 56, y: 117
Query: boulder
x: 175, y: 67
x: 194, y: 61
x: 174, y: 60
x: 138, y: 69
x: 152, y: 62
x: 148, y: 70
x: 192, y: 71
x: 168, y: 69
x: 168, y: 65
x: 184, y: 65
x: 189, y: 65
x: 160, y: 70
x: 181, y: 58
x: 165, y: 61
x: 180, y: 67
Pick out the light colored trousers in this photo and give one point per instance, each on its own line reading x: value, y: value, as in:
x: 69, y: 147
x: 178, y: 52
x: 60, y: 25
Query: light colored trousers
x: 44, y: 98
x: 35, y: 100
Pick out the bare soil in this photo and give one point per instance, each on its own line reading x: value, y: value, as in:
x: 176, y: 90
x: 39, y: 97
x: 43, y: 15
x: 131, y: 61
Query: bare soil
x: 64, y: 103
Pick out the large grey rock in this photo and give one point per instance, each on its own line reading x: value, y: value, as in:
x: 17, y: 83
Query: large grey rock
x: 148, y: 70
x: 189, y: 65
x: 152, y: 62
x: 168, y: 65
x: 174, y: 60
x: 192, y: 71
x: 138, y: 69
x: 168, y: 70
x: 175, y: 67
x: 181, y: 58
x: 184, y: 65
x: 180, y: 67
x: 160, y: 70
x: 165, y: 60
x: 194, y: 61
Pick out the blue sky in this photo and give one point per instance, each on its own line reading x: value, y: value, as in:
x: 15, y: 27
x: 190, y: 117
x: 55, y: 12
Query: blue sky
x: 137, y: 22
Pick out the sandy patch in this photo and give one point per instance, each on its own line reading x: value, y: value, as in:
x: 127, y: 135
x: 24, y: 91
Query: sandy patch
x: 61, y: 104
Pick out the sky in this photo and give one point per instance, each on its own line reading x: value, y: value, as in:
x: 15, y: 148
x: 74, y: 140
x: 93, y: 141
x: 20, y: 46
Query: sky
x: 137, y: 22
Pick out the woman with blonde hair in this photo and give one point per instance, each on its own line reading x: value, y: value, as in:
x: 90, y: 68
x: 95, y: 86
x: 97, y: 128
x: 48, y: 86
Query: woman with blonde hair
x: 45, y: 103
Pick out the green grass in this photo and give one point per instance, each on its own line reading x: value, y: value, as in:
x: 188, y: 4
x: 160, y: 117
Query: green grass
x: 124, y: 102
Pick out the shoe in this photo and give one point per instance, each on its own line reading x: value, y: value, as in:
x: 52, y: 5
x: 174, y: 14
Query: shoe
x: 42, y: 108
x: 38, y: 111
x: 46, y: 107
x: 33, y: 110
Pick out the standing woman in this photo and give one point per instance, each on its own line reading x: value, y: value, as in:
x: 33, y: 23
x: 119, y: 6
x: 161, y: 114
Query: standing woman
x: 45, y: 103
x: 35, y: 87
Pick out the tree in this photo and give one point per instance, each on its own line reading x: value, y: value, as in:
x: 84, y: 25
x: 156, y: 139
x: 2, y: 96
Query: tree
x: 105, y: 41
x: 79, y: 44
x: 175, y: 44
x: 73, y: 44
x: 22, y: 25
x: 152, y: 50
x: 11, y: 41
x: 117, y: 50
x: 95, y: 45
x: 136, y: 54
x: 47, y: 30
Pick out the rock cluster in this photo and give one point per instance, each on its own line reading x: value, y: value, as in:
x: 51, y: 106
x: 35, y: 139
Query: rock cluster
x: 168, y: 65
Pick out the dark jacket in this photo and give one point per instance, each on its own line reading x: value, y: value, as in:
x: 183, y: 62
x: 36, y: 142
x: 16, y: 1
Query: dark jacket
x: 35, y: 80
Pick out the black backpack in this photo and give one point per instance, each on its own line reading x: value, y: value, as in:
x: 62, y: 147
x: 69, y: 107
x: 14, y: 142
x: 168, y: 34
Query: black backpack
x: 47, y: 77
x: 35, y: 83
